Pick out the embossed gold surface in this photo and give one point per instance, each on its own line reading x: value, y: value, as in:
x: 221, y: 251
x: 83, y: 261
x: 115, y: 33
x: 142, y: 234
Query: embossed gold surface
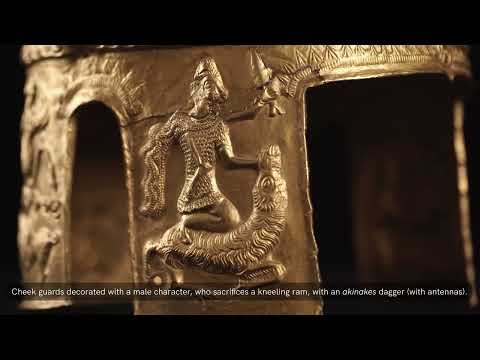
x: 215, y: 159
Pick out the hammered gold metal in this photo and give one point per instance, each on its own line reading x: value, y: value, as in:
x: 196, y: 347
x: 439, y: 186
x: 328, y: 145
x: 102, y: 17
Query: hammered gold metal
x: 246, y: 220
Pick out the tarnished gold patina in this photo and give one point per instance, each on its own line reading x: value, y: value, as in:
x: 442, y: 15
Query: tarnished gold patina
x: 246, y: 221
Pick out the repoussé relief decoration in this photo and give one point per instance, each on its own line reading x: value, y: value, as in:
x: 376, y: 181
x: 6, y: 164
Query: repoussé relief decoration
x: 40, y: 199
x: 196, y: 224
x: 210, y: 235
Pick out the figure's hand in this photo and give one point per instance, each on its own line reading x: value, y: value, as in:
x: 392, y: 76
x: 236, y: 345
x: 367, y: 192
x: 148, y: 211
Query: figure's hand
x: 271, y: 93
x: 274, y: 88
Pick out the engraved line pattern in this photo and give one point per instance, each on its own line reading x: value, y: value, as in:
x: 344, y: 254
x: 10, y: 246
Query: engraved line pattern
x: 311, y: 60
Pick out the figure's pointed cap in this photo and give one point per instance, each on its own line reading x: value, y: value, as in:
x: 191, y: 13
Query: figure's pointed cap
x: 262, y: 74
x: 207, y: 67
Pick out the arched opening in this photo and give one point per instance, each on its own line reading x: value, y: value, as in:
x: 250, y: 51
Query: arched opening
x: 383, y: 187
x: 99, y: 200
x: 330, y: 165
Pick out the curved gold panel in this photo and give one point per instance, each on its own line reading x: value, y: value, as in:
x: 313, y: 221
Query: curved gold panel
x: 198, y: 211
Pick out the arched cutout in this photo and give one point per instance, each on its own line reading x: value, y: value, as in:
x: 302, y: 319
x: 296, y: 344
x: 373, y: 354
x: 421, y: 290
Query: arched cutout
x: 383, y: 185
x: 99, y: 201
x: 330, y: 166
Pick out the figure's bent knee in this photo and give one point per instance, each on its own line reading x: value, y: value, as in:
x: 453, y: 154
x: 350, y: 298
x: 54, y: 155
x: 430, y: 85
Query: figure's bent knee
x: 232, y: 217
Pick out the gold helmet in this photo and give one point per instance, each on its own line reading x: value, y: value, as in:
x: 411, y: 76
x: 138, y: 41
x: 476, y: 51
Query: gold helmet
x: 207, y: 67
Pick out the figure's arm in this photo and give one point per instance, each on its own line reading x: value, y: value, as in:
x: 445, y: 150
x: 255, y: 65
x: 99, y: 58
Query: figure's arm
x: 256, y: 100
x: 242, y: 106
x: 236, y: 162
x: 225, y: 151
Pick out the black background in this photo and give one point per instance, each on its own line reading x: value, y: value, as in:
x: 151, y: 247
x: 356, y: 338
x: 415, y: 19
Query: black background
x: 12, y: 82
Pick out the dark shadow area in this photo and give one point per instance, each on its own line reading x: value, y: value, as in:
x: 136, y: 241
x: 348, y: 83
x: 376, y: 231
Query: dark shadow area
x: 384, y: 192
x: 13, y: 98
x: 330, y: 189
x: 99, y: 243
x: 472, y: 140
